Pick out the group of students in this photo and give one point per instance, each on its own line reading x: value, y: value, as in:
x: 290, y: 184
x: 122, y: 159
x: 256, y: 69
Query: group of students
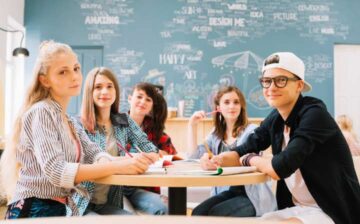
x: 52, y: 157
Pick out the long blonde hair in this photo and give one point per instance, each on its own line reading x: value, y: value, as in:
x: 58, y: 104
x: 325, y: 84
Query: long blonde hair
x: 88, y: 109
x: 35, y: 93
x: 345, y: 123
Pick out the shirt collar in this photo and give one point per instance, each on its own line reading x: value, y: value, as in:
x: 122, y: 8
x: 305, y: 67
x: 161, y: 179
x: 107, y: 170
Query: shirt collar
x: 55, y: 104
x: 119, y: 119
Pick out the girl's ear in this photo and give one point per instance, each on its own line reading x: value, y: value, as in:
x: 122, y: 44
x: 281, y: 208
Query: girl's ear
x: 44, y: 81
x: 217, y: 108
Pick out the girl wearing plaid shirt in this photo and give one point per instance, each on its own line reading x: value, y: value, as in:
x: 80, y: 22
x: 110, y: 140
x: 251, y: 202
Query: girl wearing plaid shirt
x: 148, y: 109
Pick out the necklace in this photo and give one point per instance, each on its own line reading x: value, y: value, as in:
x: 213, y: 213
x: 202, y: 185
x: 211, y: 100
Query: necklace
x: 105, y: 128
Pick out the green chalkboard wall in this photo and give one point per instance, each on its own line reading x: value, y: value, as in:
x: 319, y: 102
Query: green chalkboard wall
x: 194, y: 46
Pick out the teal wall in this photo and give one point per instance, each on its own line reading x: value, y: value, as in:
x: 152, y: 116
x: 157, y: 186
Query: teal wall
x: 193, y: 47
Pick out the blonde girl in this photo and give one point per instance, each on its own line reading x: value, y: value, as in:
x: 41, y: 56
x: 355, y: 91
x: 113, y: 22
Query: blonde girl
x: 49, y: 154
x: 346, y: 125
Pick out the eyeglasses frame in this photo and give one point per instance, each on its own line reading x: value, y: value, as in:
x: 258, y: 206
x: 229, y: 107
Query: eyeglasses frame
x: 276, y: 77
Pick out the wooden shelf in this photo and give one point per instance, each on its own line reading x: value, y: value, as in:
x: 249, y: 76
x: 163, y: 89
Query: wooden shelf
x: 176, y: 128
x: 2, y: 145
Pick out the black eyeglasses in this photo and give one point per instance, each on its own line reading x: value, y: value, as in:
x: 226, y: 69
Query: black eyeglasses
x: 280, y: 81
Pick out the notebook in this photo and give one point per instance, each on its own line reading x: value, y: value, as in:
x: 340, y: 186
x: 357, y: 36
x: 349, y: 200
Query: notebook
x: 221, y: 171
x: 165, y: 161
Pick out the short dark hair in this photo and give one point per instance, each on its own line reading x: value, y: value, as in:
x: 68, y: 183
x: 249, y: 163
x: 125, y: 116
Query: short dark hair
x: 272, y: 59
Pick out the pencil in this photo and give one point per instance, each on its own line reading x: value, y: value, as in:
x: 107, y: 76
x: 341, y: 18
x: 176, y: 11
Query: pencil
x: 138, y: 149
x: 122, y: 149
x: 212, y: 112
x: 208, y: 150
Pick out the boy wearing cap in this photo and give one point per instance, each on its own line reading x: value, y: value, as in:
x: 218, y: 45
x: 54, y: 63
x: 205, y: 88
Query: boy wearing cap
x: 311, y: 160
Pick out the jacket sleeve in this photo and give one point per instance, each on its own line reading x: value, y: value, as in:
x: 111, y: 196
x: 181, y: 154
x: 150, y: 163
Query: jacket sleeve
x: 316, y: 126
x: 257, y: 141
x: 139, y: 138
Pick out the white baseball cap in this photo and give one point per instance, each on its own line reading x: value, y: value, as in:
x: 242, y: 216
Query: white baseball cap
x: 290, y: 62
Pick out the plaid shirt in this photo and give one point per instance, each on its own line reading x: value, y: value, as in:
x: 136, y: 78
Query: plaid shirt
x: 164, y: 143
x: 126, y: 130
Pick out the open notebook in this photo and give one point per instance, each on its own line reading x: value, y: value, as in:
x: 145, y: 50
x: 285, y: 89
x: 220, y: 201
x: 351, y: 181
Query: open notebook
x: 219, y: 171
x: 165, y: 161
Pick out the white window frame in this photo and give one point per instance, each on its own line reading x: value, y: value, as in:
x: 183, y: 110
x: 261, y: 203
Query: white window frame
x: 14, y: 75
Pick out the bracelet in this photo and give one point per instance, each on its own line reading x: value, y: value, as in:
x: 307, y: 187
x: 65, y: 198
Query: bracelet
x: 246, y: 160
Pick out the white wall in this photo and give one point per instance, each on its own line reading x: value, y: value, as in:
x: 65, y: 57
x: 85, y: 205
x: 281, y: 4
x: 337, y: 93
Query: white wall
x: 14, y: 9
x: 346, y: 82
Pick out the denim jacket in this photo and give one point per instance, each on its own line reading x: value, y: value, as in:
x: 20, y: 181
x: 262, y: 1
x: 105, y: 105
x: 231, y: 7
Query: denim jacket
x: 126, y: 130
x: 260, y: 195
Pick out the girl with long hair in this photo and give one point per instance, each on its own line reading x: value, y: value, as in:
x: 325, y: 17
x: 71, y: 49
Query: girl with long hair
x: 49, y: 154
x: 112, y: 131
x: 148, y: 109
x: 231, y: 129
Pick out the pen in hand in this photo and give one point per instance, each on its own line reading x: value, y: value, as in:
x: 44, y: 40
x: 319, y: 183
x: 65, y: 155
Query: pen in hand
x: 122, y: 149
x: 208, y: 150
x: 138, y: 149
x: 212, y: 112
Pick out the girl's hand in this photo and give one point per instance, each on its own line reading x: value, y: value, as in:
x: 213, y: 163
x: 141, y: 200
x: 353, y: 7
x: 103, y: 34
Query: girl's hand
x: 163, y: 153
x: 217, y: 160
x: 147, y: 158
x: 138, y: 164
x: 207, y: 163
x: 197, y: 117
x: 241, y: 159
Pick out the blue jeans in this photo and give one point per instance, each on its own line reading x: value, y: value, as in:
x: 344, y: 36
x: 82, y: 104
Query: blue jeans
x: 35, y: 207
x: 147, y: 201
x: 233, y: 202
x: 105, y: 209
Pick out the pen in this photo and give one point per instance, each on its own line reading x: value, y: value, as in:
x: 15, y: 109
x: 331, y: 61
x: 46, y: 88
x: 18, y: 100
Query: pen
x: 122, y: 148
x: 212, y: 112
x: 208, y: 150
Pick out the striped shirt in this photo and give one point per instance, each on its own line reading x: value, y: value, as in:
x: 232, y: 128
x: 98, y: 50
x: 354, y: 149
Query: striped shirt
x: 47, y: 154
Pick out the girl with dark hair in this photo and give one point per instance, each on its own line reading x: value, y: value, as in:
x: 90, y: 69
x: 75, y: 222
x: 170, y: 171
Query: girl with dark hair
x: 231, y: 129
x: 148, y: 109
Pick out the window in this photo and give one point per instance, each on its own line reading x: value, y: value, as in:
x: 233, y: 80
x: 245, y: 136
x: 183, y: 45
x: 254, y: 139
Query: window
x: 14, y: 82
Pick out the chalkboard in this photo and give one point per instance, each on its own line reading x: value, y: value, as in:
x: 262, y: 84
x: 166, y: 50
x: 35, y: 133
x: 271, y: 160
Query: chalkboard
x: 192, y: 47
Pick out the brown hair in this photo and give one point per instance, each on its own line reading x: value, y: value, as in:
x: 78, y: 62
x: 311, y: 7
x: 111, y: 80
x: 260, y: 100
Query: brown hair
x: 88, y: 109
x: 36, y: 92
x: 345, y: 123
x: 219, y: 121
x: 159, y: 109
